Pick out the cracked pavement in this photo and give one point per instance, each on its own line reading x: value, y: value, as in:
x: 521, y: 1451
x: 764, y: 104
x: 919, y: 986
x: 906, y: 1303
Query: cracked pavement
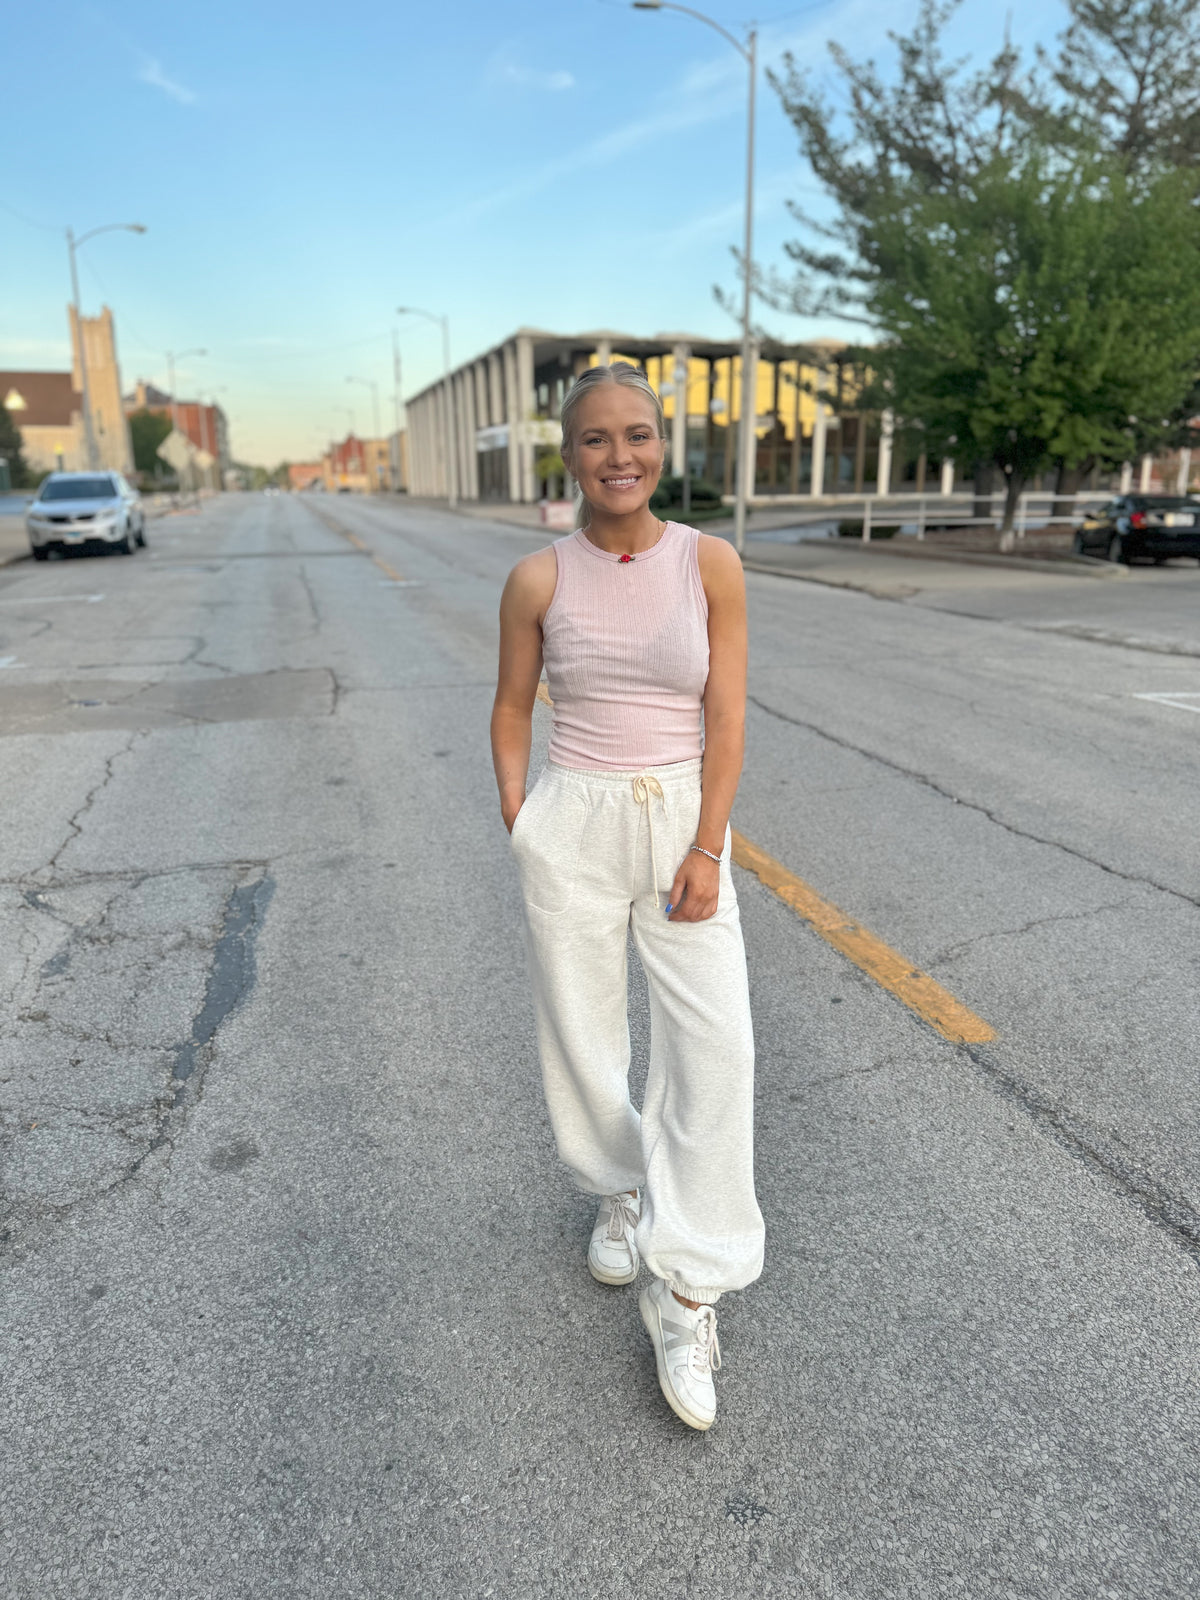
x: 294, y: 1292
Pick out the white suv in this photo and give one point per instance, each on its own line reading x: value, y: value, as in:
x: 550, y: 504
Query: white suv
x: 82, y: 508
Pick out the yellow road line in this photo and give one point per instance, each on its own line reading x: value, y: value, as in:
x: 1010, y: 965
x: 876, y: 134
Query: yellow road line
x: 336, y: 527
x: 879, y: 961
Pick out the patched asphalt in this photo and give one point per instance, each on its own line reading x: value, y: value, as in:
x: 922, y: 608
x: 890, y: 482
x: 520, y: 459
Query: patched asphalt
x: 295, y: 1293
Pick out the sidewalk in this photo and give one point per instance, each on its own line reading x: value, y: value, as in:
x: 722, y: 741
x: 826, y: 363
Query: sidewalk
x: 795, y: 557
x: 14, y: 541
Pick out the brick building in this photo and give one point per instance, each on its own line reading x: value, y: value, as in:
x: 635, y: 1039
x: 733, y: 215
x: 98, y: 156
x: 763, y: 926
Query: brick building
x: 204, y: 426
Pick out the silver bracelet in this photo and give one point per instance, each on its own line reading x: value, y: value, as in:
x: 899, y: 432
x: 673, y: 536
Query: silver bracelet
x: 700, y: 850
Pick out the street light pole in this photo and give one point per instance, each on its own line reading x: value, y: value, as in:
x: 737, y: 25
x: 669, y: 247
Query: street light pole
x: 747, y: 436
x: 89, y: 431
x: 451, y: 428
x: 370, y: 383
x: 171, y: 359
x: 396, y: 463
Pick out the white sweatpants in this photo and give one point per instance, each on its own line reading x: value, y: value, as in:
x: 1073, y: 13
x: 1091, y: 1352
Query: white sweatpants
x: 583, y: 847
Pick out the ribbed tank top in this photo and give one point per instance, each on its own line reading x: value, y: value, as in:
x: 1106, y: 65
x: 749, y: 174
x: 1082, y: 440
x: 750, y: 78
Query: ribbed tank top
x: 625, y: 645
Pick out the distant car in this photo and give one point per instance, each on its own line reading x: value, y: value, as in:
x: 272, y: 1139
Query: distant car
x: 1156, y: 526
x: 74, y: 509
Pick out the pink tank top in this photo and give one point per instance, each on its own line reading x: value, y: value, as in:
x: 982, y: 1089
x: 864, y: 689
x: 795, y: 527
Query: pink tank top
x: 625, y: 643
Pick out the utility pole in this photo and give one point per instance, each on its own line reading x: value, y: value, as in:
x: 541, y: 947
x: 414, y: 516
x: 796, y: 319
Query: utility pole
x: 374, y: 388
x: 397, y: 461
x: 171, y: 358
x: 747, y: 438
x: 451, y: 423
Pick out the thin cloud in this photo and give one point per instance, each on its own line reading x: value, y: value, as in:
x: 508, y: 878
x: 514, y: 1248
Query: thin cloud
x: 153, y: 74
x: 505, y: 70
x: 529, y: 78
x: 708, y: 90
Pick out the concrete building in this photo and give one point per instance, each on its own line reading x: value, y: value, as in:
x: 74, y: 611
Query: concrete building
x: 494, y: 422
x: 48, y: 410
x: 103, y: 392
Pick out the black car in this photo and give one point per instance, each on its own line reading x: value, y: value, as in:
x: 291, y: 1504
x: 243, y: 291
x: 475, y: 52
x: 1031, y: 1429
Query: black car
x: 1157, y: 526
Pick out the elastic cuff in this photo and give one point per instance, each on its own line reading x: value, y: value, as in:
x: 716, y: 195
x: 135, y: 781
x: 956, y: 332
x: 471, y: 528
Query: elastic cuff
x: 691, y: 1291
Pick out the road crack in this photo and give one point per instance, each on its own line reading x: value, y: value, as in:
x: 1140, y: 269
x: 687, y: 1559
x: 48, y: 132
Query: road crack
x: 75, y: 821
x: 954, y: 951
x: 972, y: 805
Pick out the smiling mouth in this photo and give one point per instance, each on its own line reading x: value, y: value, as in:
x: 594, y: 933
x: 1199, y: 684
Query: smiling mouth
x: 620, y: 483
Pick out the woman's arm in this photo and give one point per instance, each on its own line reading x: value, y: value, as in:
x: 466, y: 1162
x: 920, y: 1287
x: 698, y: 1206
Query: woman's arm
x: 697, y: 883
x: 524, y: 603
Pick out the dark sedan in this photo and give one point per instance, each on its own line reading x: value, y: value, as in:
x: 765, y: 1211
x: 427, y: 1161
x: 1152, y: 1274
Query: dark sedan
x: 1154, y: 526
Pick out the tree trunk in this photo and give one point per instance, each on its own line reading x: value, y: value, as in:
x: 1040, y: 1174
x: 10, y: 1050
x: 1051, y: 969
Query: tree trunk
x: 982, y: 507
x: 1012, y: 495
x: 1067, y: 484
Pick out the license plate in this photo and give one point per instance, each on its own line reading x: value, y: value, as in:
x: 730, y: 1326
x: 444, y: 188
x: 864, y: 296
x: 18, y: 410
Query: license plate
x: 1179, y: 519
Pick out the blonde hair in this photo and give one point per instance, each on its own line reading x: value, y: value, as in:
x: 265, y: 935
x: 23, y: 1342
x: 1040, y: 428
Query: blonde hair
x: 629, y: 377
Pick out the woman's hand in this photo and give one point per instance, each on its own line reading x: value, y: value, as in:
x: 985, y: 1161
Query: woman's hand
x: 694, y: 893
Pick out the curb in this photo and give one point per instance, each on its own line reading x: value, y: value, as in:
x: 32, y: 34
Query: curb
x: 1064, y: 566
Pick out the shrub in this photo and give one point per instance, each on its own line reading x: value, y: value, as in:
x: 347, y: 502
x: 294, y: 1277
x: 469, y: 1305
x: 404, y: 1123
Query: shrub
x: 669, y: 495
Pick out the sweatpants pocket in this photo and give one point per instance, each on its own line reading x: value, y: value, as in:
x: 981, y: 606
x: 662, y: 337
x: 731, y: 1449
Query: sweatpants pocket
x: 546, y: 839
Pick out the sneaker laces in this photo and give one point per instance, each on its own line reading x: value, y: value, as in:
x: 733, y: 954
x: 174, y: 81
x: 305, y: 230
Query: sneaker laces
x: 705, y: 1353
x: 622, y: 1218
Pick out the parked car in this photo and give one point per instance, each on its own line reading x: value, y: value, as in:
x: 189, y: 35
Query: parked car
x: 75, y: 509
x: 1157, y: 526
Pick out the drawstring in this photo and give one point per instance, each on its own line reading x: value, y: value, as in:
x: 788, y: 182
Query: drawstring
x: 644, y: 785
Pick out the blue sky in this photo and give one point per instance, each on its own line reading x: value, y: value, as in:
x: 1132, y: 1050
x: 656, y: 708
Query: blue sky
x: 303, y: 169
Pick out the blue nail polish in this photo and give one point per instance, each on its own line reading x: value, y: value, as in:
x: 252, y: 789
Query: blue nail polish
x: 670, y: 909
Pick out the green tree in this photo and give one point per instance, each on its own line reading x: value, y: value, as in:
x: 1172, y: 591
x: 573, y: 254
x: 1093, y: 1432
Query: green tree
x: 10, y: 450
x: 1032, y: 302
x: 1126, y: 80
x: 147, y: 430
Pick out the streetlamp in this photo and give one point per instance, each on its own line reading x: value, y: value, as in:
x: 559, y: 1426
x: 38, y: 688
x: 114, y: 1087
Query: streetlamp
x: 216, y: 442
x: 451, y: 430
x: 73, y: 244
x: 747, y: 438
x: 369, y: 383
x: 172, y: 357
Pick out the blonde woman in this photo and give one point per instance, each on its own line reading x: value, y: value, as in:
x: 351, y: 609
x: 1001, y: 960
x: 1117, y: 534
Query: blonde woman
x: 641, y: 627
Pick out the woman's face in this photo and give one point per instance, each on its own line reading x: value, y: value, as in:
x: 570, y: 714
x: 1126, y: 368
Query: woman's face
x: 617, y: 455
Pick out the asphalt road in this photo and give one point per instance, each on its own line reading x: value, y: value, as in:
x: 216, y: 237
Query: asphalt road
x: 295, y: 1296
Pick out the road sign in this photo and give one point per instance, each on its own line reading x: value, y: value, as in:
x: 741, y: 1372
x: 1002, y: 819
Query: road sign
x: 177, y: 450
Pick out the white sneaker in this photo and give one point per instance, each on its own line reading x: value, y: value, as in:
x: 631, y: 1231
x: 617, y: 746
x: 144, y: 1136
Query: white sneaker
x: 686, y: 1351
x: 612, y: 1255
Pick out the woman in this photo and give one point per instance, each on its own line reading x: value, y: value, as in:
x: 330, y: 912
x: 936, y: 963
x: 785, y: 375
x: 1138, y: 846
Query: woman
x: 641, y: 626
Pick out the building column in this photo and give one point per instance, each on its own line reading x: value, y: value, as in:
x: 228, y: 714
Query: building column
x: 1184, y: 473
x: 679, y: 380
x: 445, y: 465
x: 887, y: 428
x: 1126, y: 477
x: 947, y: 477
x: 470, y: 453
x: 817, y: 486
x: 526, y: 407
x: 512, y: 417
x: 1144, y: 477
x: 604, y: 353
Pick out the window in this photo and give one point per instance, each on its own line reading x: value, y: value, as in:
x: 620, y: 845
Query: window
x: 79, y: 489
